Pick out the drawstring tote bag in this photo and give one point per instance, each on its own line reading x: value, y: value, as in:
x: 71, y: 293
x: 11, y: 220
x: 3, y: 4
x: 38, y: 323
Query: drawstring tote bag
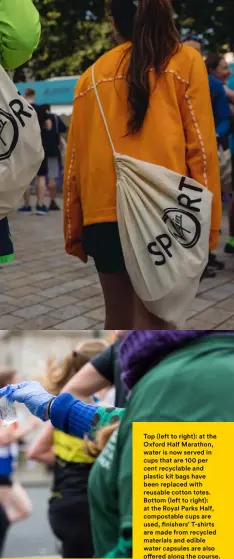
x: 21, y: 151
x: 164, y: 225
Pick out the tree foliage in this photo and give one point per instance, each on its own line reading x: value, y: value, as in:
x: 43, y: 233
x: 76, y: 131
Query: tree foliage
x: 214, y: 19
x: 76, y: 32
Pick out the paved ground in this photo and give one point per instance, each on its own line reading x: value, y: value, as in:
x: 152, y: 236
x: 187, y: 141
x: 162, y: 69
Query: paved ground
x: 45, y: 288
x: 32, y: 537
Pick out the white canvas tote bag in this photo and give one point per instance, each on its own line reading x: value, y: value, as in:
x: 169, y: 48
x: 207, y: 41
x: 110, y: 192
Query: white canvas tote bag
x: 164, y: 224
x: 21, y: 152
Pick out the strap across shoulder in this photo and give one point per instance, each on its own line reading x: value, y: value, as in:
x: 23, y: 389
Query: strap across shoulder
x: 102, y: 110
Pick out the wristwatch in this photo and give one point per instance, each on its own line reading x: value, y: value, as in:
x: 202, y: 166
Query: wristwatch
x: 48, y: 409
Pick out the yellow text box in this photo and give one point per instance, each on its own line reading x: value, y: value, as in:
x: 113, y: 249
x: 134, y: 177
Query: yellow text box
x: 183, y: 490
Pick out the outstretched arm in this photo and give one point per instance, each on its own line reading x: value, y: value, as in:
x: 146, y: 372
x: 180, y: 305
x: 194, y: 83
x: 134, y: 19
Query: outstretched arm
x: 86, y: 382
x: 65, y: 412
x: 79, y: 419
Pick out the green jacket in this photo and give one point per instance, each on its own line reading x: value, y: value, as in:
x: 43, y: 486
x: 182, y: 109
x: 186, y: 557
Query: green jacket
x: 19, y: 32
x: 194, y: 384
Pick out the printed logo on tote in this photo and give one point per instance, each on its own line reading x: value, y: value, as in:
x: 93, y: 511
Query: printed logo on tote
x: 9, y: 127
x: 183, y: 223
x: 183, y: 226
x: 9, y: 134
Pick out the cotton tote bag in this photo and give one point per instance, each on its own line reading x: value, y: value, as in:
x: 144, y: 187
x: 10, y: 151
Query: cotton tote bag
x: 164, y: 224
x: 21, y: 152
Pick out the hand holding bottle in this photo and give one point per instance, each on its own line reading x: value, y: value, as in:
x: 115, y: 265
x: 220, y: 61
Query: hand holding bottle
x: 32, y: 395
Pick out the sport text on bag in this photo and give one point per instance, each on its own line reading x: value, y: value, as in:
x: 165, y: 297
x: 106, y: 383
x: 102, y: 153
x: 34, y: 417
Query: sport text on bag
x: 164, y: 223
x: 21, y: 152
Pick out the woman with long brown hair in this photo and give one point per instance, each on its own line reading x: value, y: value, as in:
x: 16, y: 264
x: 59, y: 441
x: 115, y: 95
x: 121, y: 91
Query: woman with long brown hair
x: 155, y: 96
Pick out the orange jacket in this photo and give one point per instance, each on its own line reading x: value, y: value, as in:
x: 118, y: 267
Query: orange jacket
x: 178, y: 133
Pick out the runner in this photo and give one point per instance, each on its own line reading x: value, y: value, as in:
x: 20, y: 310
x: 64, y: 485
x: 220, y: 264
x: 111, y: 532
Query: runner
x: 68, y: 506
x: 103, y: 371
x: 14, y: 501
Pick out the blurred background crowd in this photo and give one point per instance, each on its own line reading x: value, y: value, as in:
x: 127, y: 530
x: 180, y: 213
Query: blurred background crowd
x: 52, y: 358
x: 48, y: 82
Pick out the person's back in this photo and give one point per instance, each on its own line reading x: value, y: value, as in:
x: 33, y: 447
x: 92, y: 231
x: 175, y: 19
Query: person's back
x: 71, y: 462
x: 222, y: 114
x: 42, y: 119
x: 231, y: 86
x: 52, y: 138
x: 68, y: 508
x: 162, y: 139
x: 156, y: 101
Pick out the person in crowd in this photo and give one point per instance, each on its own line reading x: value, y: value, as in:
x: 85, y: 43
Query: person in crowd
x: 52, y: 147
x: 13, y: 498
x: 231, y: 89
x: 141, y: 83
x: 228, y: 86
x: 170, y: 379
x: 219, y: 72
x: 219, y: 99
x: 30, y: 96
x: 222, y: 118
x: 192, y: 39
x: 41, y: 208
x: 68, y: 505
x: 99, y: 373
x: 20, y: 33
x: 51, y: 129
